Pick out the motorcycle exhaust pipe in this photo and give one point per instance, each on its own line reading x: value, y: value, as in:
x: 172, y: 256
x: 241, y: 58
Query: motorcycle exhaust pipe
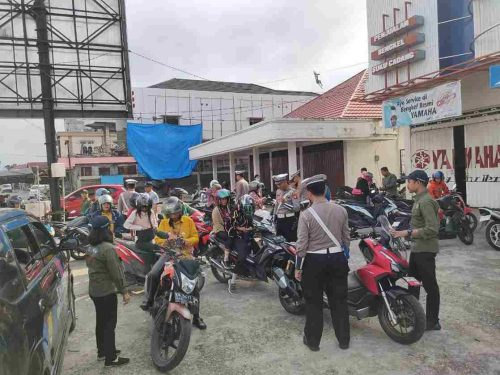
x: 283, y: 282
x: 219, y: 266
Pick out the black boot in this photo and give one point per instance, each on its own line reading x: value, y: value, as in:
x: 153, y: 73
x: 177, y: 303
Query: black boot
x: 199, y: 323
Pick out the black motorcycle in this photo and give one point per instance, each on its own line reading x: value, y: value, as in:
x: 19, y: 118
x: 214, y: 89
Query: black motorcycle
x: 174, y: 301
x: 265, y: 260
x: 454, y: 221
x: 492, y: 220
x: 77, y: 229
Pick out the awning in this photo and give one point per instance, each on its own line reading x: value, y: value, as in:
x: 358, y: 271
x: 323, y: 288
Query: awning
x: 274, y: 134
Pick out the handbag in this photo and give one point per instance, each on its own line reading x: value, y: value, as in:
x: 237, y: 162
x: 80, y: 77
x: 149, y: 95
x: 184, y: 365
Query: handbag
x: 344, y: 248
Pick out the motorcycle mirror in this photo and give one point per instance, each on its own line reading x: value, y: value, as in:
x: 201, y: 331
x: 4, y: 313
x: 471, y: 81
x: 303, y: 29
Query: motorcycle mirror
x: 162, y: 235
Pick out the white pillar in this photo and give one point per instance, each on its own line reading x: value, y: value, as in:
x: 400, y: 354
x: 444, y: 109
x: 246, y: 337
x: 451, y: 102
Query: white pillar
x: 214, y: 168
x: 231, y: 170
x: 271, y: 170
x: 405, y: 135
x: 301, y: 162
x: 256, y: 162
x: 292, y: 157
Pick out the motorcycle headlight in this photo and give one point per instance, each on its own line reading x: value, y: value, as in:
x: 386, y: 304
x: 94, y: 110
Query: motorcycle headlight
x: 188, y: 285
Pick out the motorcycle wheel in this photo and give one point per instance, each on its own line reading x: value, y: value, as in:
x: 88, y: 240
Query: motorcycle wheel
x: 472, y: 219
x: 493, y: 234
x: 465, y: 233
x: 409, y: 314
x: 167, y: 337
x: 218, y: 255
x: 292, y: 305
x: 77, y: 254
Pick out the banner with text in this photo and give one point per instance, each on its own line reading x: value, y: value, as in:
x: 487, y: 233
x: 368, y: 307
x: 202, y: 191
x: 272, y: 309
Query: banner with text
x: 420, y: 107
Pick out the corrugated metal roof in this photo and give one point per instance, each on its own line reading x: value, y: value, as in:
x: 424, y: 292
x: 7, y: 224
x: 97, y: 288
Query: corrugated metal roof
x: 343, y: 101
x: 248, y: 88
x: 98, y: 160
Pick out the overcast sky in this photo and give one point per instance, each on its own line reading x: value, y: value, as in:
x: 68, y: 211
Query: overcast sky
x: 276, y: 43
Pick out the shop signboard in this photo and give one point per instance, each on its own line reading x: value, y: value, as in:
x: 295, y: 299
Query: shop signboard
x: 425, y: 106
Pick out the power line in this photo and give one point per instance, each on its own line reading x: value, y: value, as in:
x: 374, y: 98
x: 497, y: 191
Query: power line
x: 168, y: 66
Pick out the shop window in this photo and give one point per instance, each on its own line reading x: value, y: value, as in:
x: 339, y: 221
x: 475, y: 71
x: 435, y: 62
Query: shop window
x: 254, y: 120
x: 85, y: 171
x: 172, y: 120
x: 104, y: 171
x: 127, y: 169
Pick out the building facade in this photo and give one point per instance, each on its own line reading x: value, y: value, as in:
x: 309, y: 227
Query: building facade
x: 419, y: 48
x: 222, y: 107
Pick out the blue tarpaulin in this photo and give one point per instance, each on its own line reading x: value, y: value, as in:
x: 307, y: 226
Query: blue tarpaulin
x: 112, y: 180
x: 162, y: 150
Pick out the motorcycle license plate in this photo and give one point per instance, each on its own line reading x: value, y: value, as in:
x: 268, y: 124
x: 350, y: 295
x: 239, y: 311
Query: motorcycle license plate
x: 485, y: 218
x: 185, y: 298
x: 412, y: 281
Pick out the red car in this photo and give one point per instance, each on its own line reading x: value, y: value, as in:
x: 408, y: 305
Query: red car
x: 74, y: 199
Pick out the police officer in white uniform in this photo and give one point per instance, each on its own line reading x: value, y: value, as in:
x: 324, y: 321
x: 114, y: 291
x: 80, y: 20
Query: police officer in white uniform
x: 322, y: 250
x: 286, y: 208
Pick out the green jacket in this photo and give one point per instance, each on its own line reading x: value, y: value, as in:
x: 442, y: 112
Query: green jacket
x: 390, y: 184
x: 105, y: 270
x: 424, y: 217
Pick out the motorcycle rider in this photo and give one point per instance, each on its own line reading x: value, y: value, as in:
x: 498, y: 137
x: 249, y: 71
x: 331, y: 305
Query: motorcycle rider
x: 286, y: 208
x: 424, y: 233
x: 144, y: 222
x: 221, y: 218
x: 363, y: 184
x: 115, y: 218
x: 212, y: 193
x: 14, y: 201
x: 389, y: 182
x: 176, y: 226
x: 241, y: 233
x: 254, y: 190
x: 437, y: 187
x: 241, y: 187
x: 124, y: 199
x: 94, y: 201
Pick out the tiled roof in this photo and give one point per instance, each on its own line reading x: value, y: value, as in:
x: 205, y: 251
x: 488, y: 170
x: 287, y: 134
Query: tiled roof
x: 98, y: 160
x: 343, y: 101
x: 248, y: 88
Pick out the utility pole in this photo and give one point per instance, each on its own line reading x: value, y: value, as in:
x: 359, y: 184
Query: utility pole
x: 40, y: 12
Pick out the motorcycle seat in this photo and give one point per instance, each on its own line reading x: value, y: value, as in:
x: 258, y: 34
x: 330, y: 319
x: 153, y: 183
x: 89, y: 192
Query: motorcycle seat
x: 353, y: 281
x: 189, y: 267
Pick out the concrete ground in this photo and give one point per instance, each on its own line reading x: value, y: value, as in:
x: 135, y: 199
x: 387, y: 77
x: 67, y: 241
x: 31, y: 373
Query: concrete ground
x: 250, y: 333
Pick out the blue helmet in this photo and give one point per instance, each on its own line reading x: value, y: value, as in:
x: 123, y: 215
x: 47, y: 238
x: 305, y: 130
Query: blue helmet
x: 438, y: 174
x: 101, y: 191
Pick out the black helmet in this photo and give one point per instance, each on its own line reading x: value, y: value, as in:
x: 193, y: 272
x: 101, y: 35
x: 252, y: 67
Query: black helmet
x: 133, y: 199
x: 178, y: 192
x: 246, y: 206
x: 14, y: 200
x: 143, y: 200
x: 171, y: 206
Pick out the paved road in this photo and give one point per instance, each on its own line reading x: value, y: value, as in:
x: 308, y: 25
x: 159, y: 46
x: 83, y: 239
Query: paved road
x: 250, y: 333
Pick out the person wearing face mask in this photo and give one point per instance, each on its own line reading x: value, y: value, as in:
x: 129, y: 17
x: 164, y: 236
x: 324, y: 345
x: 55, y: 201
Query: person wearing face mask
x: 178, y: 227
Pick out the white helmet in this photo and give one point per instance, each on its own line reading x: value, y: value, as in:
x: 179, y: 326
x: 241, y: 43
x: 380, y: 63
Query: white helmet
x: 105, y: 199
x: 213, y: 183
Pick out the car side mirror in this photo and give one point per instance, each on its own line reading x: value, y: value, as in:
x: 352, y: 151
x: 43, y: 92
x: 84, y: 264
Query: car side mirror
x: 68, y: 244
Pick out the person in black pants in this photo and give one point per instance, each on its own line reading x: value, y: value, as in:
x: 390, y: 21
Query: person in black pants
x: 321, y: 265
x: 106, y: 278
x: 424, y: 233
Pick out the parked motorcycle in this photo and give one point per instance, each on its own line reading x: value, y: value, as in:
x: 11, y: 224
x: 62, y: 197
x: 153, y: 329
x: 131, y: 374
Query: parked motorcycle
x: 492, y: 220
x: 172, y: 310
x: 453, y: 220
x: 374, y: 289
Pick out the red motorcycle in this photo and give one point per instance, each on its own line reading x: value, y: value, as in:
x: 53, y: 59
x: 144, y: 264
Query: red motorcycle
x: 469, y: 215
x: 374, y: 289
x: 202, y: 221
